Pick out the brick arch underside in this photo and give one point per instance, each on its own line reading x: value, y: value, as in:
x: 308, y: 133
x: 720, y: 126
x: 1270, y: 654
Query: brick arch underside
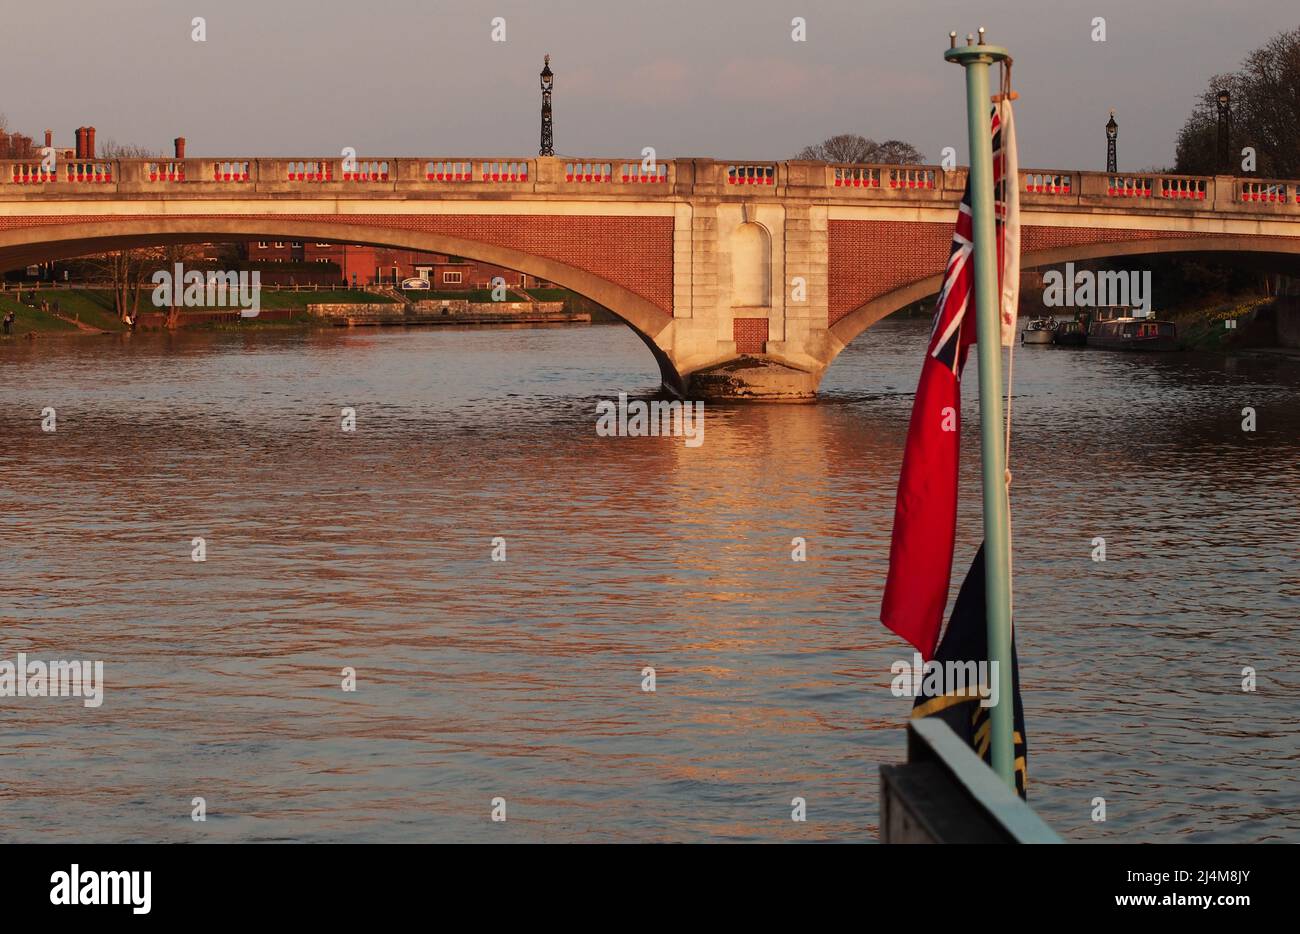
x: 879, y: 267
x: 622, y: 262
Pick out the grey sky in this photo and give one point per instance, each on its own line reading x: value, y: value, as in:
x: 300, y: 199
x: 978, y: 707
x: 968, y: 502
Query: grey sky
x: 718, y: 78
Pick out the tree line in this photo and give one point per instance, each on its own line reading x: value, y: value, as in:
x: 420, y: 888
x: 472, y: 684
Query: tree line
x: 1265, y: 115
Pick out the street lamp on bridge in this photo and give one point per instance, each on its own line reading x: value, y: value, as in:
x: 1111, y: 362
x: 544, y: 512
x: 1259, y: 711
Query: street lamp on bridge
x: 1112, y: 131
x: 1224, y: 101
x: 548, y: 82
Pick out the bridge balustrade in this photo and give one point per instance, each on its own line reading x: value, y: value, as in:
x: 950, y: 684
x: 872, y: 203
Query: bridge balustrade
x: 912, y: 178
x: 637, y: 173
x: 366, y: 171
x: 503, y: 172
x: 751, y: 175
x: 228, y: 172
x: 1183, y: 188
x: 165, y: 171
x: 89, y: 173
x: 1040, y: 183
x: 587, y: 172
x: 33, y: 175
x: 310, y: 171
x: 1127, y: 186
x: 856, y: 181
x: 1268, y: 192
x: 445, y: 171
x: 855, y: 176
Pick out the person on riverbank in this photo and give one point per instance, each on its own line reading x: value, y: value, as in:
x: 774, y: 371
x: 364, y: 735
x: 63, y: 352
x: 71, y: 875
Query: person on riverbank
x: 9, y: 323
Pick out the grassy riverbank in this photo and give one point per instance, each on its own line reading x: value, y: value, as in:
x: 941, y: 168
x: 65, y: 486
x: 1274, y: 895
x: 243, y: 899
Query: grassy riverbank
x: 1205, y: 328
x: 90, y: 311
x: 92, y: 308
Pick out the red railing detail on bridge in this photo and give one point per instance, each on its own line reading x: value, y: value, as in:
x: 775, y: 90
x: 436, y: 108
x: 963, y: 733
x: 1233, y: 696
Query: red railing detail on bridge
x: 856, y: 176
x: 1124, y: 186
x: 1268, y: 192
x: 366, y: 171
x: 1193, y: 188
x: 1038, y: 183
x: 34, y: 175
x: 503, y: 172
x: 912, y: 178
x: 314, y: 171
x: 448, y: 171
x: 928, y: 184
x: 751, y: 175
x: 165, y: 171
x: 636, y: 173
x: 227, y: 172
x: 587, y: 172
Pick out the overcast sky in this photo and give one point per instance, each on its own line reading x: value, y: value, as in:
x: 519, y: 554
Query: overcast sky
x: 718, y: 78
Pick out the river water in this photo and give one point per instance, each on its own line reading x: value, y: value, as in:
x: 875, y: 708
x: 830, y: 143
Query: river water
x: 522, y: 680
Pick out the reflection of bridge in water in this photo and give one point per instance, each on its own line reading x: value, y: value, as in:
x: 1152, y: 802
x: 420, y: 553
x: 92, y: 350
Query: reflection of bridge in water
x: 744, y: 279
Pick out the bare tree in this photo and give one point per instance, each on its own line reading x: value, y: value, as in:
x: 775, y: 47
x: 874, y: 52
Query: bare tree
x: 897, y: 152
x: 852, y: 148
x: 1265, y: 114
x: 126, y: 271
x: 112, y: 149
x: 170, y: 255
x: 846, y: 147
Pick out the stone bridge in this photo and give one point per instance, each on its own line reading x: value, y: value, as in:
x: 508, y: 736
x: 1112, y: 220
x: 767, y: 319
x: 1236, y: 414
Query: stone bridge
x: 745, y: 280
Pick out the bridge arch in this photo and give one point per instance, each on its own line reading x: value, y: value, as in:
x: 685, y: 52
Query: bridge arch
x: 26, y: 246
x: 869, y: 313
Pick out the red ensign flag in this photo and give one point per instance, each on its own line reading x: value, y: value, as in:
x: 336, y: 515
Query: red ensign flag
x: 925, y: 516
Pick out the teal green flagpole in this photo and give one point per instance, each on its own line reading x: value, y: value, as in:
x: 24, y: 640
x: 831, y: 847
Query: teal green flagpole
x: 976, y: 59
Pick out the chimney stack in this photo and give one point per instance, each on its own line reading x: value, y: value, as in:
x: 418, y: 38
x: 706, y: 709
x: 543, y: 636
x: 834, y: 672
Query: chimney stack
x: 49, y: 139
x: 179, y: 143
x: 81, y: 143
x: 90, y: 142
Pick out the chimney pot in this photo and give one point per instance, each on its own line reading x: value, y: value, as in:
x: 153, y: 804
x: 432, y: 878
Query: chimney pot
x: 81, y: 142
x: 49, y: 139
x: 90, y: 142
x: 179, y: 143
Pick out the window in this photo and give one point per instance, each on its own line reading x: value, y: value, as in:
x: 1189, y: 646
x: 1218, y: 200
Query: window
x: 324, y: 244
x: 451, y: 278
x: 261, y: 244
x: 322, y: 260
x: 295, y: 243
x: 279, y: 244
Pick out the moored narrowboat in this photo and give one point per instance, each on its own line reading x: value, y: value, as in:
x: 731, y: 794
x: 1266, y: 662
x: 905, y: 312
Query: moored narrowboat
x: 1071, y: 334
x: 1133, y: 334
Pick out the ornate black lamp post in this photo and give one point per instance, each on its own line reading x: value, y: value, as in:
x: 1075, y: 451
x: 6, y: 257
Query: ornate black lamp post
x: 1112, y: 130
x: 548, y: 82
x: 1224, y: 102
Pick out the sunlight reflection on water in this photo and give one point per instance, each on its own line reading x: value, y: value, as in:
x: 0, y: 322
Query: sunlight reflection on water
x: 522, y: 679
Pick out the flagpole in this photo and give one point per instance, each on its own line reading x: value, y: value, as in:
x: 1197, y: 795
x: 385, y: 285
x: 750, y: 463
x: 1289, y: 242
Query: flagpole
x: 976, y: 58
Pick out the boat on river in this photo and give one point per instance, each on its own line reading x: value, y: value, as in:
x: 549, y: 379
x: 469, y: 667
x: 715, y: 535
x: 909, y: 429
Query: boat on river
x: 1115, y: 329
x: 1039, y: 331
x: 1070, y: 334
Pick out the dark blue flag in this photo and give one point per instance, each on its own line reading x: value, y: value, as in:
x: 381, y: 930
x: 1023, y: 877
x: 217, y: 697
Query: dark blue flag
x: 965, y: 644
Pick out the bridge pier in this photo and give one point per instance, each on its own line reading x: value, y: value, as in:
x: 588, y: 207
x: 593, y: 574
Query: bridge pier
x: 751, y: 378
x: 750, y: 284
